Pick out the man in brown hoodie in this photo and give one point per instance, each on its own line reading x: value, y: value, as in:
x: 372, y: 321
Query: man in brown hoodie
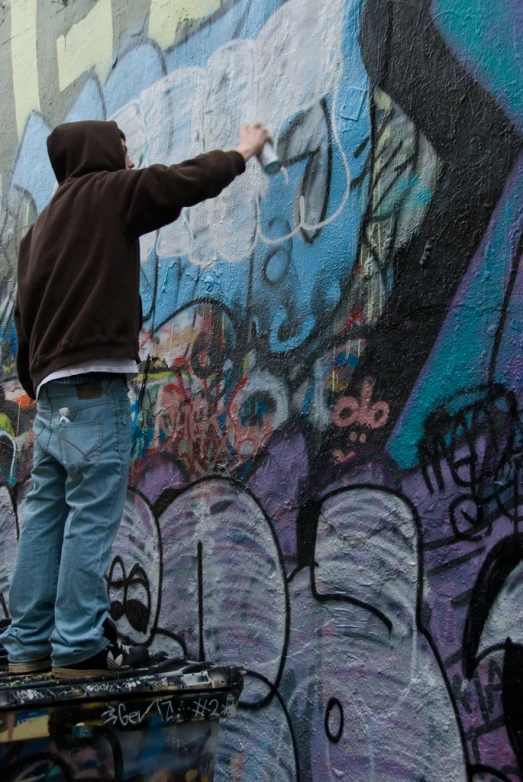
x: 78, y: 319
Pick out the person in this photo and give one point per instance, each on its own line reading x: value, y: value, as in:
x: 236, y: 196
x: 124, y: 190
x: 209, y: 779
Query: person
x: 78, y: 318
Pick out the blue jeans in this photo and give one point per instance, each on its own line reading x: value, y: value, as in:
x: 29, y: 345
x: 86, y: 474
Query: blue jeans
x: 58, y: 598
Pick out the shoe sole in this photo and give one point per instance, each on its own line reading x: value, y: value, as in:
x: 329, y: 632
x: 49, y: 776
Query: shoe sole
x: 83, y: 673
x: 38, y: 666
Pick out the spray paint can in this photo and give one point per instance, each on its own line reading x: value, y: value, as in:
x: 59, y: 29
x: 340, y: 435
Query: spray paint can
x: 269, y: 160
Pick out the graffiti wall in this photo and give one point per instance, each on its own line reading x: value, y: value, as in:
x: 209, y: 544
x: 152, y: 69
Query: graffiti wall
x: 328, y: 440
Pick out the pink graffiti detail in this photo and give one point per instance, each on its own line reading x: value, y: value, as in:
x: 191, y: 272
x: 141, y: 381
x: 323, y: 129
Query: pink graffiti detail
x: 361, y: 412
x: 349, y: 410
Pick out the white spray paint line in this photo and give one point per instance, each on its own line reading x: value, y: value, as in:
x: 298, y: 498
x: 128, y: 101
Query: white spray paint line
x: 295, y: 61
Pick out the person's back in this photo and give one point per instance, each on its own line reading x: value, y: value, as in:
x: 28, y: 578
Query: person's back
x: 78, y: 319
x: 78, y: 272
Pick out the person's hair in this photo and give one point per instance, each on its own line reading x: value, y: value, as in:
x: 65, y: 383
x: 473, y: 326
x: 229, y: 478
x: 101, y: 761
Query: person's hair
x: 122, y: 134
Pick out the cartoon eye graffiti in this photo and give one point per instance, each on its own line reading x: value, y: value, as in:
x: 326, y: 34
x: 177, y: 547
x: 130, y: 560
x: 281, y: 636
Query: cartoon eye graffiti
x: 130, y: 595
x: 334, y: 720
x: 134, y: 577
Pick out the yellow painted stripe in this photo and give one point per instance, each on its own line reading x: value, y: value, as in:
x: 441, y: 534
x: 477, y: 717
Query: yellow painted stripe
x: 166, y: 15
x: 24, y: 60
x: 88, y: 44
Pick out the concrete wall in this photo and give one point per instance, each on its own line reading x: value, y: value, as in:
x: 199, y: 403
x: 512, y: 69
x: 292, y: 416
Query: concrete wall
x: 328, y: 458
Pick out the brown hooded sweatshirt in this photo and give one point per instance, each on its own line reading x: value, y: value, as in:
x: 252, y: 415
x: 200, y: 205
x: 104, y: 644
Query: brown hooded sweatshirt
x: 79, y: 265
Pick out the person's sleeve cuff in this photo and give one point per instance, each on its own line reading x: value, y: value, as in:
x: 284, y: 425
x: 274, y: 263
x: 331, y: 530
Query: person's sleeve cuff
x: 239, y: 161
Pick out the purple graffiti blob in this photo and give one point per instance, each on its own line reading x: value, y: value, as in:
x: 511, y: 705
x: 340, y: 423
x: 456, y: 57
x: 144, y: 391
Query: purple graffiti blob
x: 277, y: 483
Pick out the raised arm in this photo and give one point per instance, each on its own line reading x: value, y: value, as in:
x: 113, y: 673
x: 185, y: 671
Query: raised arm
x: 155, y: 196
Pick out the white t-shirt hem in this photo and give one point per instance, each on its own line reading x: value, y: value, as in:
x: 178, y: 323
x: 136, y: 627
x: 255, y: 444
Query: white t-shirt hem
x: 121, y: 366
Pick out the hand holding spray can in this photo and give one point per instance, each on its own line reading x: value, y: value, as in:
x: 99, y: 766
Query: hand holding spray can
x: 269, y: 160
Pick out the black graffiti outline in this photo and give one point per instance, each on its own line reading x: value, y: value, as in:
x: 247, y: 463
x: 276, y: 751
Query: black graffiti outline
x: 493, y: 487
x: 420, y: 624
x: 334, y: 738
x: 275, y: 693
x: 499, y: 563
x: 168, y: 496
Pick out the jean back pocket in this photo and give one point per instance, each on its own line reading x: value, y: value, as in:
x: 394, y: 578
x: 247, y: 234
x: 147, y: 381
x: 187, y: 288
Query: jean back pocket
x: 80, y: 444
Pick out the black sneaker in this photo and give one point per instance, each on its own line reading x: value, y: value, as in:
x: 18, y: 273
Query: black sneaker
x: 110, y: 630
x: 115, y: 658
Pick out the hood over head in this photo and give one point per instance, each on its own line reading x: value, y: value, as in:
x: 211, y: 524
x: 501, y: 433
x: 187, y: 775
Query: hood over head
x: 78, y: 148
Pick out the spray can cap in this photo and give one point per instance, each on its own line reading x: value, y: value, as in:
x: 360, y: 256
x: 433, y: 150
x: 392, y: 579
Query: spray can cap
x: 269, y: 160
